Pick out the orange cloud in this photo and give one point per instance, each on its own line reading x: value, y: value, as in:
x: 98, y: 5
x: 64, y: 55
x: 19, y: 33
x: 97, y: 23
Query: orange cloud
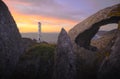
x: 28, y: 23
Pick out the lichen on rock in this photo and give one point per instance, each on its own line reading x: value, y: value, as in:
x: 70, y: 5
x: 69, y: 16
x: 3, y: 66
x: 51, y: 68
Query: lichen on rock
x: 64, y: 58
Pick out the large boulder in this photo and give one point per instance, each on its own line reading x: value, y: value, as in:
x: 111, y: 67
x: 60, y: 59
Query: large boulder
x: 110, y: 68
x: 65, y: 67
x: 83, y: 32
x: 88, y: 61
x: 10, y: 42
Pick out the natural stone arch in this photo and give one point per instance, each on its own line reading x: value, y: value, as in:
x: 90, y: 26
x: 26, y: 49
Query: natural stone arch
x: 83, y: 32
x: 84, y: 38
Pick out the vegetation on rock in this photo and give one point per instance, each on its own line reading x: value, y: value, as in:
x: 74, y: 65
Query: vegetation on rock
x: 36, y: 63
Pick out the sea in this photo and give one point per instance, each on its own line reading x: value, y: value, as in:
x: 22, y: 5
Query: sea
x: 47, y: 37
x: 52, y: 37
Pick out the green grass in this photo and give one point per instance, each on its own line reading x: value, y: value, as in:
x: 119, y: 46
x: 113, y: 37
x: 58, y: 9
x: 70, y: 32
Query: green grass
x: 37, y: 61
x: 45, y: 51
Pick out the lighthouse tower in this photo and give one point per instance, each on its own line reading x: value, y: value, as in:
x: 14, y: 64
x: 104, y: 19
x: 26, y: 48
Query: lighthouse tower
x: 39, y: 32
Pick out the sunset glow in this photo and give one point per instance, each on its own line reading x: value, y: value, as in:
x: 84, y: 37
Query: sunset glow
x: 53, y: 15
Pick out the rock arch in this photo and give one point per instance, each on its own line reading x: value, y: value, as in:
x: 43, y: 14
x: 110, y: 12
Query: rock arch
x: 83, y: 32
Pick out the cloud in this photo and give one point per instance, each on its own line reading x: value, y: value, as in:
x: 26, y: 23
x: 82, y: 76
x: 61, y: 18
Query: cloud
x: 48, y: 8
x: 74, y: 10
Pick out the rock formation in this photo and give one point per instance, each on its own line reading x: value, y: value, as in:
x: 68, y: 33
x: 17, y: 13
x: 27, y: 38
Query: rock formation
x: 87, y: 60
x: 110, y: 68
x: 105, y: 40
x: 83, y: 32
x: 64, y: 58
x: 10, y: 42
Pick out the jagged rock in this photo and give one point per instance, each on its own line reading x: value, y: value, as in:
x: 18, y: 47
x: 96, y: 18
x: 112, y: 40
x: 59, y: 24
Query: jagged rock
x: 110, y: 68
x: 10, y: 42
x: 83, y: 32
x: 64, y: 58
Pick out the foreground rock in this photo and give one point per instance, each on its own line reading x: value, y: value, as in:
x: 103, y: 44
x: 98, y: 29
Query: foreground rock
x: 64, y: 58
x: 10, y: 42
x: 110, y: 68
x: 87, y: 64
x: 83, y: 32
x: 88, y: 61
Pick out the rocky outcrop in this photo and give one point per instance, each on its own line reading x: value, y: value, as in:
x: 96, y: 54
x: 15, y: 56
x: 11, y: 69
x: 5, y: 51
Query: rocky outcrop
x: 83, y: 32
x: 105, y: 40
x: 81, y: 36
x: 88, y: 61
x: 64, y: 58
x: 10, y: 42
x: 110, y: 68
x: 86, y: 64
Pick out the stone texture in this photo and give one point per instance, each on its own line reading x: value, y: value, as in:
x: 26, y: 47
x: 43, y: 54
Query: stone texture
x: 88, y: 61
x: 105, y: 40
x: 64, y: 58
x: 83, y: 32
x: 10, y: 42
x: 110, y: 66
x: 87, y: 64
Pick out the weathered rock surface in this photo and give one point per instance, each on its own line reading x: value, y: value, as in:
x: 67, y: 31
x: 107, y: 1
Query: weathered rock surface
x: 110, y: 68
x: 86, y: 64
x: 64, y: 58
x: 10, y: 42
x: 88, y: 61
x: 105, y: 40
x: 83, y: 32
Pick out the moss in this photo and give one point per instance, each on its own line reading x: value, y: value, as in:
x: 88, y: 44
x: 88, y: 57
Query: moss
x: 39, y: 50
x: 36, y: 63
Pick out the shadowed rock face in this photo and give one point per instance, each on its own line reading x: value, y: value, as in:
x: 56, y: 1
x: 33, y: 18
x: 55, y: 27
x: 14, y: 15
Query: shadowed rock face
x: 10, y: 42
x: 64, y: 58
x: 83, y: 32
x: 110, y: 68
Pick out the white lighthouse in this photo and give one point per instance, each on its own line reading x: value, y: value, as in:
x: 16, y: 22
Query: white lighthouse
x: 39, y: 32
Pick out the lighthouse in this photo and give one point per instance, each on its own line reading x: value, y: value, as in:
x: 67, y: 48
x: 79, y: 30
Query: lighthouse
x: 39, y: 32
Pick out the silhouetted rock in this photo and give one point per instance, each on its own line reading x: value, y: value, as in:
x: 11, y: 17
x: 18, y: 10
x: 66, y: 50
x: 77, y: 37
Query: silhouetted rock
x: 86, y: 63
x: 65, y: 67
x: 83, y: 32
x: 10, y: 42
x: 110, y: 68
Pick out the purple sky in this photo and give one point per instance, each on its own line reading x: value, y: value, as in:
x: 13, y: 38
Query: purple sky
x: 74, y: 10
x: 65, y: 9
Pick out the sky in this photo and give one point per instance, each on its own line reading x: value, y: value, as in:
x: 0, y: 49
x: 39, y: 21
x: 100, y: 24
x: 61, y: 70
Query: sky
x: 53, y: 14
